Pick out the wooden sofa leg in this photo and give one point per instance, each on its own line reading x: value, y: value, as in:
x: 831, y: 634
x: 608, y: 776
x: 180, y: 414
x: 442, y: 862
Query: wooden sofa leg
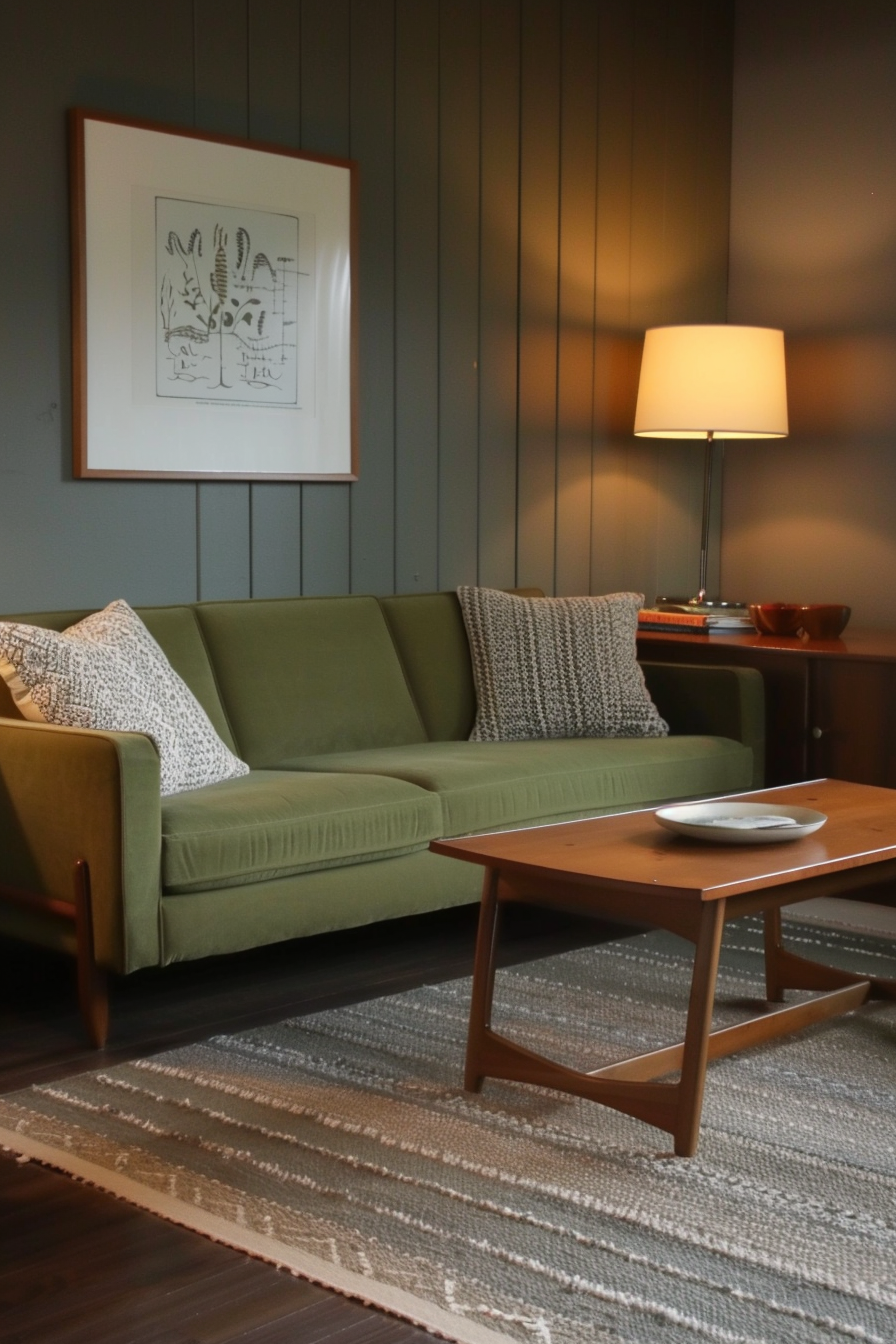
x: 93, y: 986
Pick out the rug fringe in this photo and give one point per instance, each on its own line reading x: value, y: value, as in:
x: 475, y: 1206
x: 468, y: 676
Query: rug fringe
x: 406, y: 1307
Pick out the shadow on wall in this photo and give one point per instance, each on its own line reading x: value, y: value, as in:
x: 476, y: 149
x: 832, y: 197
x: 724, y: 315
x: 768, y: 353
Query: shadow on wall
x: 617, y: 363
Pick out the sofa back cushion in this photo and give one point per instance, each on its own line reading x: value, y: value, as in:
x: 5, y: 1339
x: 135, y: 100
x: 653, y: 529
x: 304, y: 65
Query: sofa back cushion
x: 429, y: 633
x: 307, y: 675
x: 176, y: 629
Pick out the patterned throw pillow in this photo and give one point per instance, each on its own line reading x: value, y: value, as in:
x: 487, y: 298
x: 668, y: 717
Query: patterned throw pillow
x: 549, y: 667
x: 108, y: 672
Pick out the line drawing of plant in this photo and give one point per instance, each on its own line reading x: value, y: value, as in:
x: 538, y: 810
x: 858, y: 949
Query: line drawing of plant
x: 227, y: 315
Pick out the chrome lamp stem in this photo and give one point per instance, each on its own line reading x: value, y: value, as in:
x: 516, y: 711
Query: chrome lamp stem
x: 704, y: 535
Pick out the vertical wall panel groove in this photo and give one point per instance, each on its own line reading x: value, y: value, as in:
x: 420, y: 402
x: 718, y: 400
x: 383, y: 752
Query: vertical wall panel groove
x: 326, y: 114
x: 373, y: 147
x: 643, y: 502
x: 275, y: 114
x: 680, y: 297
x: 539, y: 259
x: 617, y: 350
x: 416, y: 295
x: 498, y: 311
x: 222, y: 106
x: 459, y: 211
x: 575, y: 371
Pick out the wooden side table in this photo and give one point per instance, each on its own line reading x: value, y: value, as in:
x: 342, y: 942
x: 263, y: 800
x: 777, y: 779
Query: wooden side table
x: 830, y: 704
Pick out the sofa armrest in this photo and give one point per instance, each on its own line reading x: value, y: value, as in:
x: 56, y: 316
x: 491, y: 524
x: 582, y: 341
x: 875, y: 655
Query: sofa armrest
x: 714, y: 702
x: 69, y: 794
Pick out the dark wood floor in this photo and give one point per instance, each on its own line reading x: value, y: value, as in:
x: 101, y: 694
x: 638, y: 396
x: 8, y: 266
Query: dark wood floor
x: 79, y: 1267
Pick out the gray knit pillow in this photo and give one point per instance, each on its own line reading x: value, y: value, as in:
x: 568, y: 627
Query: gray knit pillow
x: 108, y: 672
x: 548, y: 667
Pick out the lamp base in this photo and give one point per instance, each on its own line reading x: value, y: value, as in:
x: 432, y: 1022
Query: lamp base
x: 703, y: 605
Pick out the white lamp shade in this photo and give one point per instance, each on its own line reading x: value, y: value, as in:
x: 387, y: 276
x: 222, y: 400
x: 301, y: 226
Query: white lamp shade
x: 726, y: 380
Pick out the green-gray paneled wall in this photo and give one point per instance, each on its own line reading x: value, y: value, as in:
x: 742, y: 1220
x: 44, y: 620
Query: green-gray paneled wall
x: 539, y: 181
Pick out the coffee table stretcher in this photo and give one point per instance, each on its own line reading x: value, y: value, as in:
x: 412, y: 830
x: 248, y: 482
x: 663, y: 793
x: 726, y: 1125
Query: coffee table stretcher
x: 628, y: 1085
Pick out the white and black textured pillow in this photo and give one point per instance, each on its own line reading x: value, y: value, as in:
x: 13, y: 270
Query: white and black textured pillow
x: 549, y: 667
x: 108, y: 672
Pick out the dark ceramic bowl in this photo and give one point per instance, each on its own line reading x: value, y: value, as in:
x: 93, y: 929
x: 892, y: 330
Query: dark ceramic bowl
x: 776, y: 618
x: 823, y: 620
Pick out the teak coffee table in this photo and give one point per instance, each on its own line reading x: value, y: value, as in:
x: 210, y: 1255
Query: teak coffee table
x: 627, y: 867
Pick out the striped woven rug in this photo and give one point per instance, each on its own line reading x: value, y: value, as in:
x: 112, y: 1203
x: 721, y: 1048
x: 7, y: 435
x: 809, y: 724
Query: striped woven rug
x: 342, y: 1147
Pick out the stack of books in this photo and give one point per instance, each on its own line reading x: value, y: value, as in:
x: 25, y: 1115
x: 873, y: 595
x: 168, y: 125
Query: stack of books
x: 696, y: 621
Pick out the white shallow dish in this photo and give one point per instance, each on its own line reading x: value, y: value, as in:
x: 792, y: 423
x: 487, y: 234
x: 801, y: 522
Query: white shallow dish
x: 707, y: 821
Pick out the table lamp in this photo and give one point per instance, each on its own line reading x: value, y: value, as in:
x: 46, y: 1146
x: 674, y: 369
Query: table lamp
x: 711, y: 382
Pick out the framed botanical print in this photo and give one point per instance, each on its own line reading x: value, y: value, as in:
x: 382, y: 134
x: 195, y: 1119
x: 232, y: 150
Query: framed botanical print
x: 214, y: 313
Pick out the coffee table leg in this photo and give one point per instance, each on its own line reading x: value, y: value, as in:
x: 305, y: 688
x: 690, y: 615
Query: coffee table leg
x: 483, y: 981
x: 696, y: 1039
x: 774, y: 990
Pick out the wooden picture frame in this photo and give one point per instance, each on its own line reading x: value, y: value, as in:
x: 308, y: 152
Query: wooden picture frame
x: 213, y: 306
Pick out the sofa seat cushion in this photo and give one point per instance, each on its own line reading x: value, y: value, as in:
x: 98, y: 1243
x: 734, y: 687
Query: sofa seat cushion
x: 488, y: 785
x: 274, y: 823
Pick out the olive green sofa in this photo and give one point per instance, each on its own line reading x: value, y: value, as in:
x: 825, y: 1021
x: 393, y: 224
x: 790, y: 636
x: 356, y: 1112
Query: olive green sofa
x: 353, y: 714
